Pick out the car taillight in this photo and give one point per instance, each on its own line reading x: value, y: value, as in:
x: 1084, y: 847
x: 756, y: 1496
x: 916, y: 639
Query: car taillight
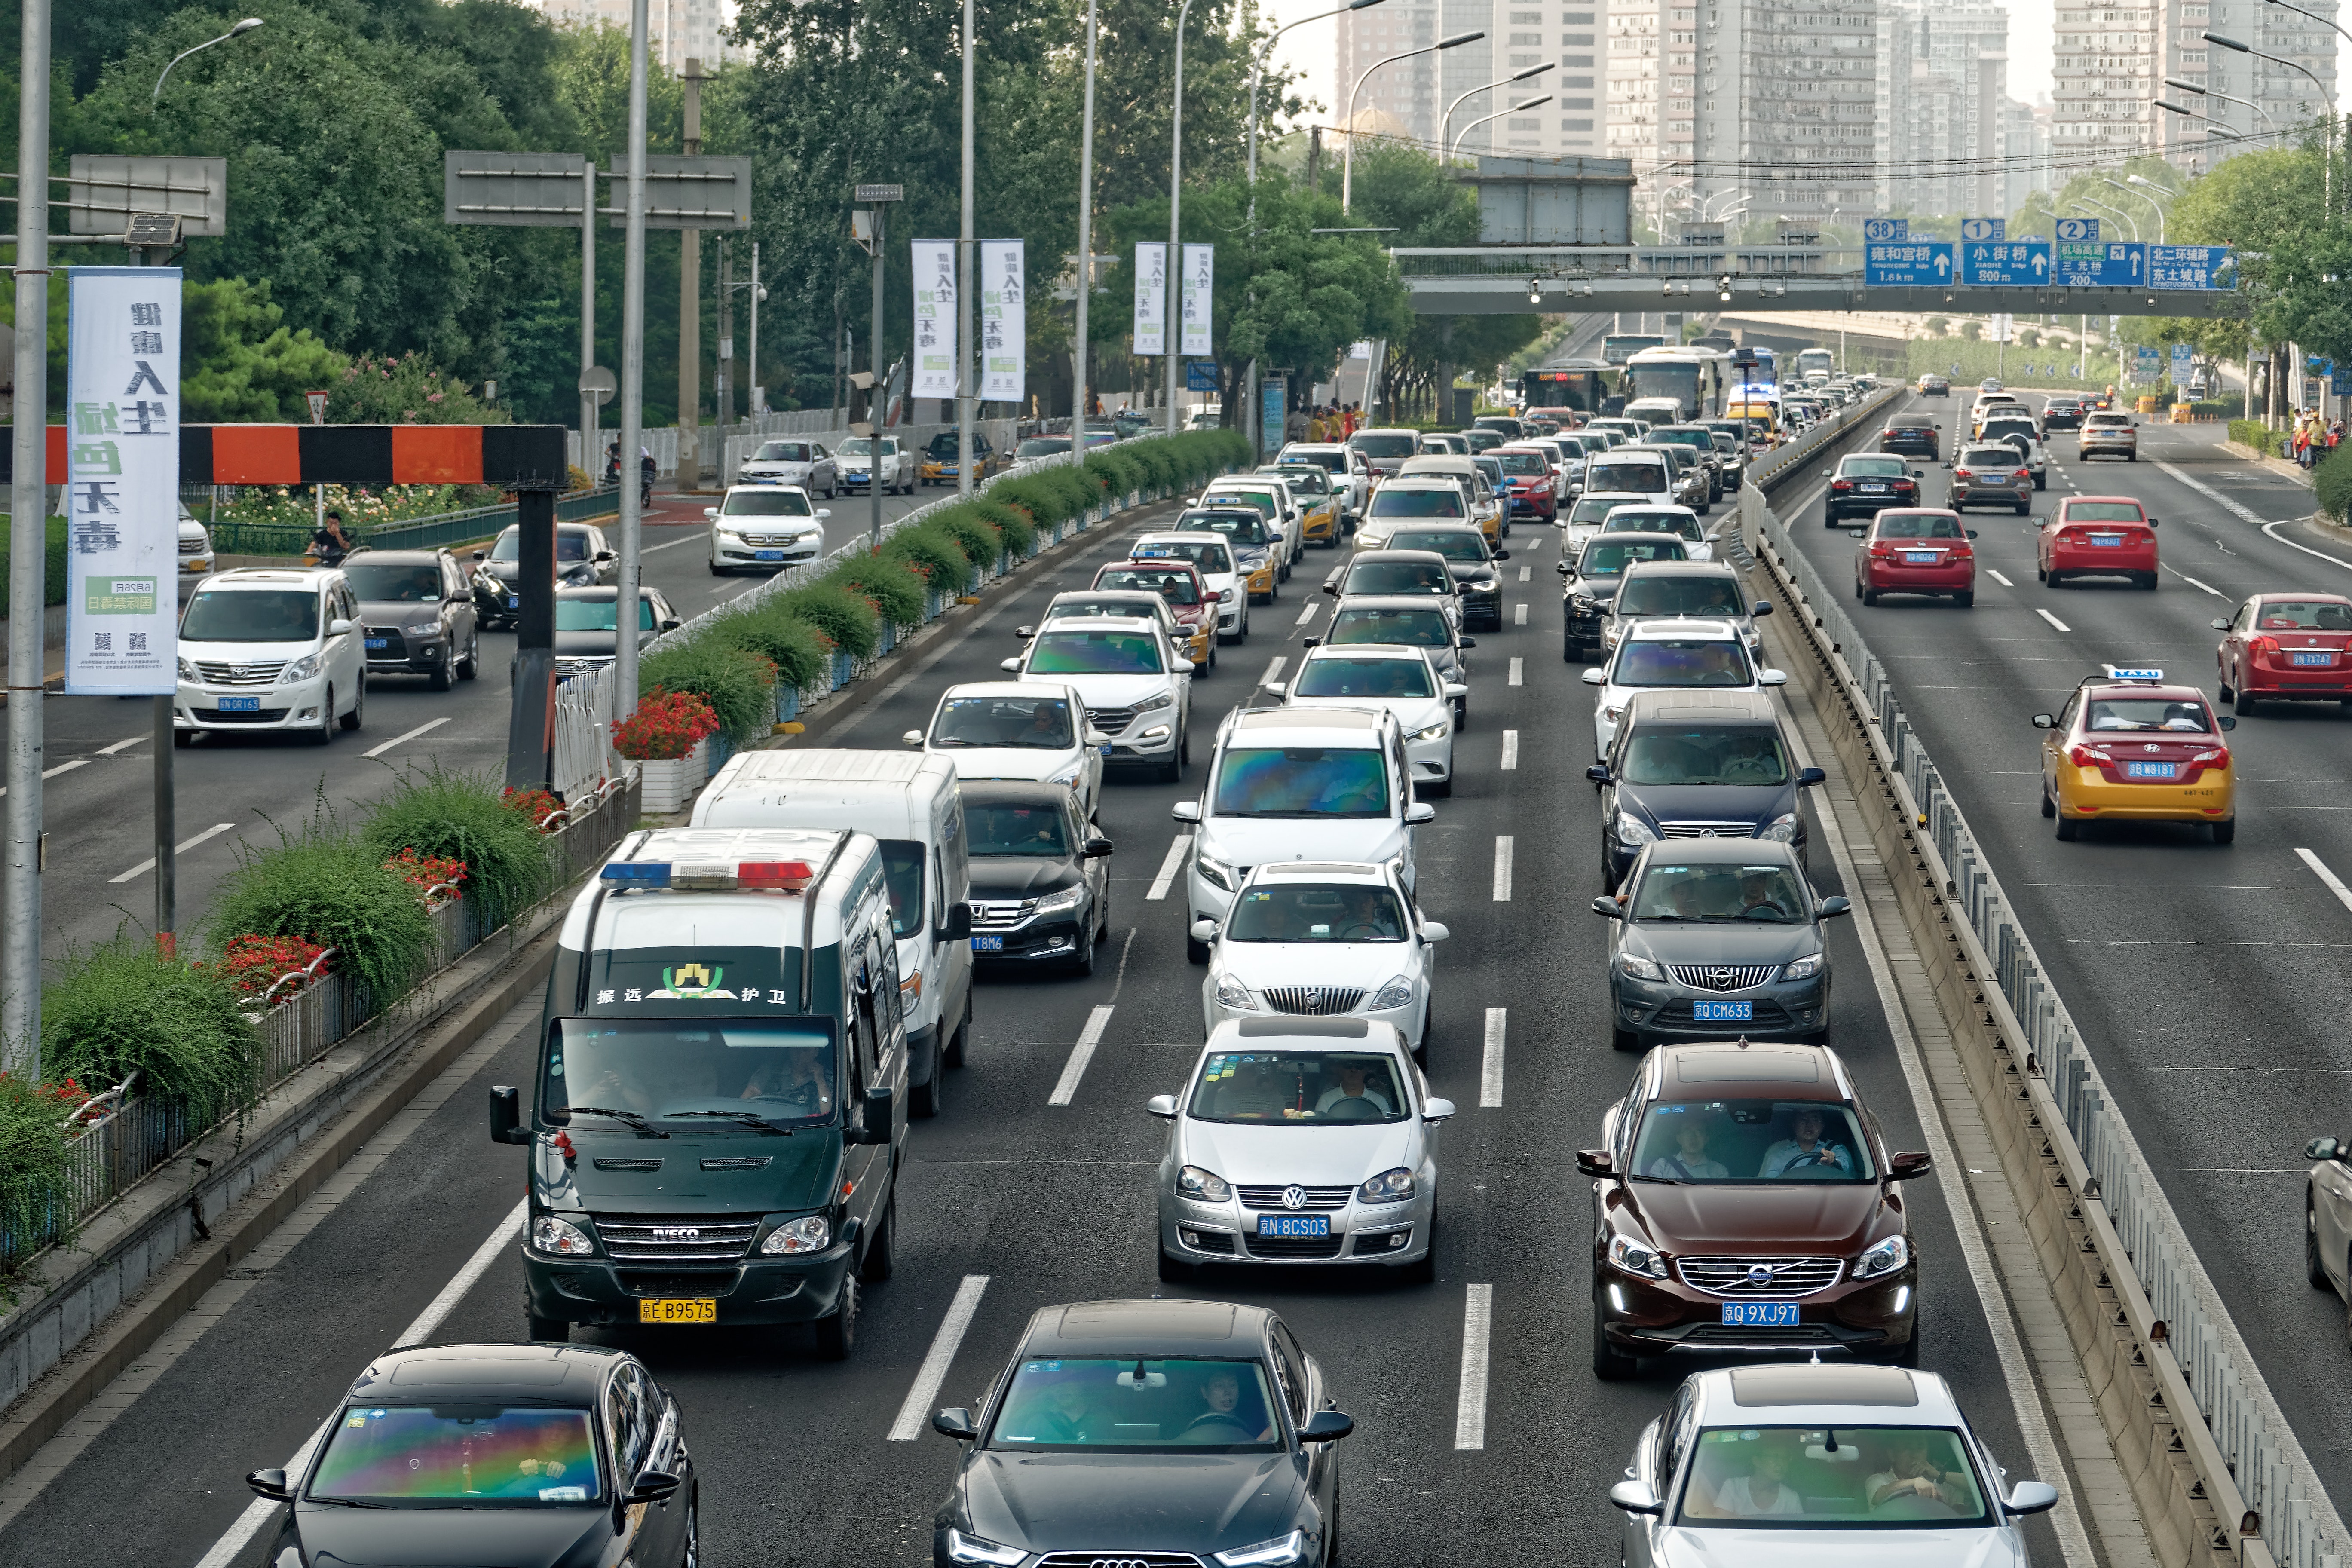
x: 2219, y: 757
x: 1841, y: 484
x: 2088, y: 757
x: 1880, y: 547
x: 2265, y: 646
x: 1963, y: 553
x: 1964, y: 473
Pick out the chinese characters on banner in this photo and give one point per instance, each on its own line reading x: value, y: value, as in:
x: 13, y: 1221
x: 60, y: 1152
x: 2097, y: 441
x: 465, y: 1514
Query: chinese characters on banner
x: 1004, y: 321
x: 935, y: 318
x: 1200, y: 289
x: 1150, y: 298
x: 123, y: 482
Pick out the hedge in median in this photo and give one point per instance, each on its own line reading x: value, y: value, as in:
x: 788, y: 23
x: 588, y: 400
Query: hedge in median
x: 322, y: 881
x: 120, y: 1009
x: 849, y: 618
x: 895, y: 588
x: 36, y: 1201
x: 934, y: 553
x: 740, y: 686
x: 2331, y: 482
x: 801, y: 652
x: 446, y: 814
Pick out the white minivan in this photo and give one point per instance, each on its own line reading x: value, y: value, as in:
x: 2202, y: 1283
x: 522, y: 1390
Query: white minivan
x: 912, y: 804
x: 270, y: 649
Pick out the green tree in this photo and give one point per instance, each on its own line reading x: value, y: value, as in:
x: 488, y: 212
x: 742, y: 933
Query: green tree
x: 238, y: 361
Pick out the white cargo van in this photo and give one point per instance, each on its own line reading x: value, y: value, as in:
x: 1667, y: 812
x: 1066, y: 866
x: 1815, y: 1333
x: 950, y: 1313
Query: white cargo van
x: 912, y: 804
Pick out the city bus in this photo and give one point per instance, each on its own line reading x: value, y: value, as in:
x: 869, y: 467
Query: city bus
x: 1811, y: 359
x: 1578, y: 384
x: 1694, y: 379
x: 1619, y: 347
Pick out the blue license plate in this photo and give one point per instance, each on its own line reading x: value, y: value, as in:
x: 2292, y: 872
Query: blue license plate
x: 1875, y: 489
x: 2150, y: 770
x: 2107, y: 540
x: 514, y: 602
x: 2314, y: 660
x: 240, y: 704
x: 377, y: 644
x: 988, y: 944
x: 1921, y: 557
x: 1760, y: 1314
x: 1294, y: 1224
x: 1723, y: 1012
x: 767, y: 555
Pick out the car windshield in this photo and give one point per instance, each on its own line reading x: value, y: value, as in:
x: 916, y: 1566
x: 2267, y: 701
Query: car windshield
x: 1698, y: 440
x: 1345, y: 677
x: 2127, y: 714
x: 1335, y: 462
x: 258, y: 615
x: 1874, y: 468
x: 1319, y: 1086
x: 1007, y: 827
x: 463, y: 1454
x: 1989, y: 458
x: 784, y: 452
x: 1307, y: 482
x: 1919, y: 525
x: 1242, y: 527
x: 1043, y: 447
x: 1522, y: 462
x: 1262, y: 500
x: 1289, y: 913
x: 2103, y: 511
x: 1753, y: 1140
x: 1680, y: 661
x: 943, y: 445
x: 1094, y: 653
x: 1398, y: 577
x: 1412, y: 628
x: 1435, y: 502
x: 598, y: 615
x: 1042, y: 722
x: 1303, y: 781
x: 765, y: 503
x: 1171, y: 584
x: 1721, y: 890
x: 858, y: 447
x: 1630, y: 519
x: 1463, y: 546
x: 1399, y: 446
x: 1611, y: 474
x: 1210, y: 556
x: 1733, y: 754
x: 1130, y: 1403
x: 1845, y: 1477
x: 2118, y: 421
x: 390, y: 581
x: 1675, y: 596
x: 1594, y: 510
x: 681, y: 1071
x: 1608, y: 558
x: 2304, y: 616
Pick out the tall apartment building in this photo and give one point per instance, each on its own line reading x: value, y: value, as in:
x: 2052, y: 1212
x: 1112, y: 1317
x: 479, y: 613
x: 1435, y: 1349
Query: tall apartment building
x: 1399, y: 99
x: 1944, y: 131
x: 2110, y: 61
x: 2287, y: 97
x: 678, y: 30
x: 1566, y: 33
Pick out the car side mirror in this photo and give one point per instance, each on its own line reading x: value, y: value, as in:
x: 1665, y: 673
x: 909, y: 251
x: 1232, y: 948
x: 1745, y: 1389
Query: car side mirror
x: 1279, y: 687
x: 339, y: 627
x: 1010, y: 666
x: 506, y: 1116
x: 1596, y: 1162
x: 2220, y: 625
x: 1833, y: 906
x: 1919, y: 473
x: 271, y: 1484
x: 1469, y: 642
x: 478, y: 555
x: 1185, y: 811
x: 912, y: 737
x: 1096, y: 737
x: 671, y: 622
x: 1436, y: 930
x: 955, y: 924
x: 1598, y: 772
x: 1946, y: 467
x: 1419, y: 812
x: 653, y: 1486
x: 1024, y: 633
x: 874, y: 1117
x: 1327, y: 1426
x: 1096, y: 847
x: 1455, y: 690
x: 1971, y: 533
x: 2032, y: 1497
x: 2151, y: 522
x: 1180, y: 666
x: 605, y: 555
x: 1857, y: 534
x: 1332, y: 589
x: 1907, y: 1163
x: 2228, y: 723
x: 2321, y: 1149
x: 1773, y: 678
x: 1563, y: 566
x: 1204, y: 929
x: 955, y: 1422
x: 712, y: 512
x: 1826, y: 474
x: 1636, y: 1496
x: 1812, y: 776
x: 1608, y: 907
x: 823, y: 512
x: 1596, y: 677
x: 1436, y: 1111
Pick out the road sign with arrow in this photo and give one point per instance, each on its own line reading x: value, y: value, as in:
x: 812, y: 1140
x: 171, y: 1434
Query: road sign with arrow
x: 1907, y: 263
x: 2093, y: 264
x: 2004, y: 263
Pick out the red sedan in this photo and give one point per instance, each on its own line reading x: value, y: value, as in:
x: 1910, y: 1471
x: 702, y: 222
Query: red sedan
x: 2096, y: 536
x: 1916, y: 551
x: 1527, y: 471
x: 2287, y: 646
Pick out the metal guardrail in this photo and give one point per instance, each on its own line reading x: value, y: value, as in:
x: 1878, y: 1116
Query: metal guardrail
x: 418, y: 534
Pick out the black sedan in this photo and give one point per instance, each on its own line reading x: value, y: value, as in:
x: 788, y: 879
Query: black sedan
x: 416, y: 616
x: 2063, y: 411
x: 582, y: 557
x: 516, y: 1454
x: 587, y: 623
x: 1471, y: 560
x: 1867, y: 483
x: 1152, y: 1432
x: 1040, y: 890
x: 1913, y: 434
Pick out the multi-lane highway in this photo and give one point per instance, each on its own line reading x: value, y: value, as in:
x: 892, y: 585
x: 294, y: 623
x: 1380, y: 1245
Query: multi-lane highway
x: 2210, y: 981
x: 1481, y: 1433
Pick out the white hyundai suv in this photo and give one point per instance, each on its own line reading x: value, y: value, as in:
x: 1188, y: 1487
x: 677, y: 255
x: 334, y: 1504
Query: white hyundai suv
x: 1137, y: 688
x: 1709, y: 656
x: 265, y: 648
x: 1324, y: 784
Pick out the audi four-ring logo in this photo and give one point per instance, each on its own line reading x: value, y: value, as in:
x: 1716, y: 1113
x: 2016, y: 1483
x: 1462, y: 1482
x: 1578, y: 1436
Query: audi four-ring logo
x: 1119, y: 1562
x: 1294, y: 1197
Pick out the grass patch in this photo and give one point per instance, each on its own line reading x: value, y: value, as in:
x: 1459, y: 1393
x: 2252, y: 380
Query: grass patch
x: 325, y: 882
x: 119, y: 1008
x: 450, y: 814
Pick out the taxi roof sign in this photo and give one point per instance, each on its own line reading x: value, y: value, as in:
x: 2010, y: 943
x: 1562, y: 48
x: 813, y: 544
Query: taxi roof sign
x: 2122, y: 672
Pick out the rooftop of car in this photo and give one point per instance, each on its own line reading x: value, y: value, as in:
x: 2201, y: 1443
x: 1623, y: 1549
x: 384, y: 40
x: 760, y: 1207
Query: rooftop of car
x: 998, y: 689
x: 1100, y: 623
x: 1362, y: 650
x: 1429, y: 602
x: 1836, y: 1384
x: 1361, y: 721
x: 1680, y: 568
x: 1675, y: 705
x: 1155, y: 1327
x: 1677, y: 626
x: 1012, y: 792
x: 548, y: 1374
x: 396, y: 557
x: 272, y: 576
x: 1363, y: 870
x: 1727, y: 852
x: 2104, y: 501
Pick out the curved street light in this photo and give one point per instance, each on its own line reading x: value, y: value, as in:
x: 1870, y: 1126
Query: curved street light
x: 248, y: 25
x: 2130, y: 221
x: 2151, y: 202
x: 1514, y: 109
x: 2179, y: 85
x: 1446, y: 123
x: 1348, y: 164
x: 1257, y: 70
x: 2212, y: 127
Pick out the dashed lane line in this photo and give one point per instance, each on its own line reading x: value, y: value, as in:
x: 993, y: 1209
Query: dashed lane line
x: 60, y: 768
x: 1307, y: 614
x: 182, y: 847
x: 1502, y: 869
x: 1080, y: 1055
x: 2334, y: 883
x: 1490, y: 1064
x: 1518, y: 672
x: 913, y: 1416
x: 1510, y: 750
x: 1477, y: 1331
x: 1274, y: 670
x: 123, y: 745
x: 1520, y: 614
x: 400, y: 740
x: 2052, y: 619
x: 1999, y: 578
x: 2192, y: 582
x: 1173, y: 863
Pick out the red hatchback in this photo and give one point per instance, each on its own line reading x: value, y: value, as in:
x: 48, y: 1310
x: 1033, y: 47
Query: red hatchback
x: 2291, y: 645
x: 2096, y: 536
x: 1527, y: 471
x: 1916, y: 551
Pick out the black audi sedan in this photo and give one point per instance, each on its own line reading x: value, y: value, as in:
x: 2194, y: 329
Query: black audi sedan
x: 526, y: 1455
x: 1040, y: 887
x: 1158, y: 1432
x: 1471, y: 560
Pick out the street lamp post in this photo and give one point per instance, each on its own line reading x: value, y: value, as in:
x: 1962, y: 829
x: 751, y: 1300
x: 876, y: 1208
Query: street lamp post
x: 2212, y: 127
x: 1348, y: 164
x: 20, y: 912
x: 2177, y: 83
x: 1175, y: 291
x: 248, y: 25
x: 967, y: 404
x: 1514, y: 109
x: 2148, y: 184
x: 2326, y: 173
x: 1085, y: 245
x: 2130, y: 221
x: 1445, y: 124
x: 633, y: 368
x: 1257, y: 70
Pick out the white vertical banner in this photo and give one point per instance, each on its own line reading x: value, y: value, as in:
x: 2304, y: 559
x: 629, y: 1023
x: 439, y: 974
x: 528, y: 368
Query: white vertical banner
x: 123, y: 482
x: 1004, y: 321
x: 1150, y: 298
x: 935, y: 318
x: 1199, y: 292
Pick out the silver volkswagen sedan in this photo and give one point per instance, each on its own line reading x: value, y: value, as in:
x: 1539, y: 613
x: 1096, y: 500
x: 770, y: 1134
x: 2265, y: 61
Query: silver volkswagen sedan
x: 1303, y: 1141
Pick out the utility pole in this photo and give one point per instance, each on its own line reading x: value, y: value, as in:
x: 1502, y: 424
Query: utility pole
x: 20, y: 876
x: 967, y: 282
x: 633, y: 372
x: 722, y: 380
x: 866, y: 227
x: 589, y: 460
x: 1174, y: 298
x: 759, y: 392
x: 689, y: 307
x: 1086, y: 247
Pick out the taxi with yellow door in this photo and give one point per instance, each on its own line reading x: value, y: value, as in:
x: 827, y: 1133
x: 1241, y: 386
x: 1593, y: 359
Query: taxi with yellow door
x: 2131, y: 746
x: 1319, y: 505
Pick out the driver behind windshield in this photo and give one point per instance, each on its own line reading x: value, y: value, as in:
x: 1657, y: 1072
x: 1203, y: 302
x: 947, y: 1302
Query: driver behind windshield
x: 1803, y: 1153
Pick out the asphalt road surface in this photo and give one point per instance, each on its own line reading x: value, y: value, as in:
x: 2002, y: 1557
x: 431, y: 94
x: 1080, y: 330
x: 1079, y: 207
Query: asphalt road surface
x: 1047, y: 1204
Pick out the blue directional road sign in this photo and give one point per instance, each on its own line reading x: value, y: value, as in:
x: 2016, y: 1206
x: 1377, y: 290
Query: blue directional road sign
x: 2087, y: 264
x: 2004, y: 263
x: 1907, y: 263
x: 2078, y: 228
x: 1885, y: 228
x: 1984, y: 228
x: 1200, y: 375
x: 2184, y: 361
x: 2192, y: 267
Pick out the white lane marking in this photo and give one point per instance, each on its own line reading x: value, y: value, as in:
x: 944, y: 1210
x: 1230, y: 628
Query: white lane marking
x: 147, y: 865
x: 702, y: 538
x: 1307, y: 614
x: 60, y: 768
x: 396, y: 739
x: 1181, y: 846
x: 1490, y: 1065
x: 1518, y: 671
x: 2269, y: 528
x: 1510, y: 750
x: 1477, y: 1328
x: 2291, y: 544
x: 1274, y: 670
x: 1080, y: 1055
x: 1520, y: 614
x: 2334, y: 883
x: 1523, y: 573
x: 493, y: 1247
x: 260, y: 1510
x: 1999, y: 578
x: 2052, y: 619
x: 2192, y: 582
x: 914, y: 1416
x: 1503, y: 868
x: 123, y: 745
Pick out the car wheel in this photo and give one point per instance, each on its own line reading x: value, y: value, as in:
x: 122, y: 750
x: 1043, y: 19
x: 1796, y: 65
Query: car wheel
x: 882, y: 1252
x: 1870, y: 595
x: 2313, y: 1269
x: 927, y: 1099
x: 1195, y: 951
x: 1910, y: 1355
x: 326, y: 729
x: 837, y: 1336
x: 2148, y: 580
x: 717, y: 570
x: 358, y: 715
x: 1624, y: 1040
x: 2024, y: 508
x: 1175, y: 1270
x: 1435, y: 789
x: 184, y: 739
x: 2243, y: 703
x: 1184, y: 745
x: 1966, y: 599
x: 1610, y: 1364
x: 1172, y: 769
x: 690, y: 1556
x: 2067, y: 828
x: 471, y: 665
x: 2041, y: 572
x: 548, y: 1330
x: 2041, y: 481
x: 442, y: 680
x: 2131, y: 457
x: 2225, y: 832
x: 1083, y: 967
x: 1423, y: 1270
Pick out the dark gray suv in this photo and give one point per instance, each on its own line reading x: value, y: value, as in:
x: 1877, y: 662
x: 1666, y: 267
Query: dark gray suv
x: 417, y: 615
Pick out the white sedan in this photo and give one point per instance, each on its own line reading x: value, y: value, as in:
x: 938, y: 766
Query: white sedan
x: 791, y: 462
x: 1019, y: 730
x: 1399, y: 678
x: 1137, y: 687
x: 1323, y: 938
x: 899, y: 471
x: 1651, y: 518
x: 1703, y: 656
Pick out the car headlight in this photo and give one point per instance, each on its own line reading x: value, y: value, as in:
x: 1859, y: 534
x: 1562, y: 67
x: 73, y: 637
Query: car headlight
x: 1232, y: 992
x: 1613, y: 712
x: 1884, y: 1258
x: 188, y: 671
x: 1067, y: 899
x: 1633, y: 832
x: 560, y: 1238
x: 422, y: 629
x: 962, y: 1548
x: 1434, y: 732
x: 1154, y: 704
x: 1267, y: 1554
x: 731, y: 535
x: 1192, y: 1182
x: 302, y: 669
x: 1804, y: 968
x: 1215, y: 872
x: 1638, y: 967
x: 1397, y: 992
x: 1783, y: 829
x: 1393, y: 1186
x: 1635, y: 1256
x: 809, y: 1233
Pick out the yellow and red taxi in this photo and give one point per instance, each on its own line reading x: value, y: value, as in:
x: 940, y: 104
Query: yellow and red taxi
x: 2131, y: 746
x: 2095, y: 536
x: 2287, y: 646
x: 1180, y: 586
x: 1916, y: 550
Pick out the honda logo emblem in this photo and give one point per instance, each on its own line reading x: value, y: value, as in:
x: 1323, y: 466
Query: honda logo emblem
x: 1294, y: 1197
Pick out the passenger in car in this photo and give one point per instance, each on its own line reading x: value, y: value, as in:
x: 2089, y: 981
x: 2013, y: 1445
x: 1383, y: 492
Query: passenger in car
x: 1761, y: 1490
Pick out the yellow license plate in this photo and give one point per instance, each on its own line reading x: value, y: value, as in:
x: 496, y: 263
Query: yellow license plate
x: 677, y: 1309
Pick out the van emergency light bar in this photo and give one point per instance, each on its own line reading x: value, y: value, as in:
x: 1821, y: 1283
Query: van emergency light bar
x: 707, y: 875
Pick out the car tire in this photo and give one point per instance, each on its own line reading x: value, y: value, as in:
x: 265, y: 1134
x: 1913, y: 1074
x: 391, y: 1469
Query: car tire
x: 717, y: 570
x: 1175, y: 1270
x: 2131, y: 457
x: 548, y: 1330
x: 1423, y: 1270
x: 1624, y: 1039
x: 1908, y: 1356
x: 1083, y: 967
x: 1966, y: 599
x: 1435, y: 789
x: 2313, y: 1269
x: 1172, y: 769
x: 2244, y: 703
x: 2025, y: 509
x: 442, y: 680
x: 2148, y: 580
x: 2041, y: 481
x: 358, y: 715
x: 1610, y: 1364
x: 2067, y: 828
x: 926, y: 1100
x: 1184, y: 744
x: 836, y: 1336
x: 1857, y: 587
x: 182, y: 739
x: 325, y: 732
x: 471, y: 665
x: 1195, y: 951
x: 2049, y: 806
x: 882, y: 1252
x: 1870, y: 595
x: 2225, y: 832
